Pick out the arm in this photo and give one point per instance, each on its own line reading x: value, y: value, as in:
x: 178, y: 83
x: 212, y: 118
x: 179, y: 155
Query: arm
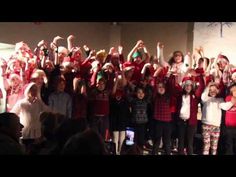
x: 205, y: 96
x: 16, y: 108
x: 227, y: 105
x: 121, y: 56
x: 160, y: 55
x: 91, y: 55
x: 138, y: 44
x: 69, y: 42
x: 147, y: 55
x: 54, y: 48
x: 86, y: 49
x: 115, y: 85
x: 147, y: 65
x: 201, y: 87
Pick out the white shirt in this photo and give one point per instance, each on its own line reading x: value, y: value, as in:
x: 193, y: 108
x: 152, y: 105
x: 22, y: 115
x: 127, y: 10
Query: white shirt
x: 185, y: 108
x: 212, y: 113
x: 29, y: 114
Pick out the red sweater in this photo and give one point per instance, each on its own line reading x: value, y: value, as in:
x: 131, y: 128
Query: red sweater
x: 162, y: 109
x: 99, y: 102
x: 230, y: 116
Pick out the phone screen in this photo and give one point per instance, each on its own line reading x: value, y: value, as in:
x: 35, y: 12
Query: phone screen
x: 129, y: 140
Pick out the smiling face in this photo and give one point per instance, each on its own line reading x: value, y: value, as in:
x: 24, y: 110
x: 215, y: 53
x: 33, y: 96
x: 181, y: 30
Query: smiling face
x: 188, y: 88
x: 140, y: 94
x: 178, y: 57
x: 213, y: 91
x: 161, y: 88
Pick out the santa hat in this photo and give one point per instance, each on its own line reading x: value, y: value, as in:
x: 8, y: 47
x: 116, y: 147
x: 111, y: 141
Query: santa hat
x: 13, y: 75
x: 222, y: 58
x: 20, y: 45
x: 128, y: 66
x: 62, y: 49
x: 107, y: 65
x: 233, y: 72
x: 187, y: 81
x: 68, y: 61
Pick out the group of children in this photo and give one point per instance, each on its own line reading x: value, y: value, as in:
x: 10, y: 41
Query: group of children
x: 163, y: 101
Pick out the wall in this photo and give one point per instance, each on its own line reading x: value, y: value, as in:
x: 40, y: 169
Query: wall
x: 208, y: 35
x: 174, y: 35
x: 94, y: 34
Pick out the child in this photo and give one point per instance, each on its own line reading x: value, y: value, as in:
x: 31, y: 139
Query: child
x: 29, y: 110
x: 99, y: 108
x: 139, y: 117
x: 60, y: 101
x: 119, y: 113
x: 80, y: 102
x: 187, y: 110
x: 162, y: 118
x: 211, y: 118
x: 230, y: 122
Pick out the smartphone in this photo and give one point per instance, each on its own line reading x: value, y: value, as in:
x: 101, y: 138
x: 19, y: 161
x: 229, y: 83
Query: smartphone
x: 129, y: 136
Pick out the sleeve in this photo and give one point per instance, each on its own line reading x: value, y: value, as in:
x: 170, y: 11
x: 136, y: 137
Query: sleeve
x: 205, y: 96
x: 227, y: 104
x: 16, y: 108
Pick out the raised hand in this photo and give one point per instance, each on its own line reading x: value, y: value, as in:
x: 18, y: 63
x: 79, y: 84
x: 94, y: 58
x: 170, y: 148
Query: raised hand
x: 112, y: 50
x: 41, y: 43
x: 120, y: 50
x: 70, y: 37
x: 56, y: 39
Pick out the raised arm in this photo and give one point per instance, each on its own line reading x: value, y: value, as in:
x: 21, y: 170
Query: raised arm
x: 160, y: 55
x: 69, y: 42
x: 138, y: 44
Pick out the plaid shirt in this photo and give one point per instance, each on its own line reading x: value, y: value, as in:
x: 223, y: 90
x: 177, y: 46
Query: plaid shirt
x: 162, y: 109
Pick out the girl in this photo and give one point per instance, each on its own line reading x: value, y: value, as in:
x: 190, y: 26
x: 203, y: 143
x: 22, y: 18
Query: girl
x: 211, y: 118
x: 80, y: 102
x: 139, y: 116
x: 230, y: 122
x: 187, y: 107
x: 29, y: 110
x: 119, y: 114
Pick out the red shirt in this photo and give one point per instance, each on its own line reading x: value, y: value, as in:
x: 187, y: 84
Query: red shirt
x: 99, y: 103
x: 79, y: 106
x: 230, y: 116
x: 162, y: 110
x: 137, y: 71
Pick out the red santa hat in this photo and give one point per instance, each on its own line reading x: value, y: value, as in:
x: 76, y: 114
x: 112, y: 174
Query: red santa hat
x: 187, y: 81
x: 62, y: 49
x: 222, y: 58
x: 21, y: 45
x: 233, y: 72
x: 68, y: 61
x: 128, y: 66
x: 13, y: 75
x: 107, y: 65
